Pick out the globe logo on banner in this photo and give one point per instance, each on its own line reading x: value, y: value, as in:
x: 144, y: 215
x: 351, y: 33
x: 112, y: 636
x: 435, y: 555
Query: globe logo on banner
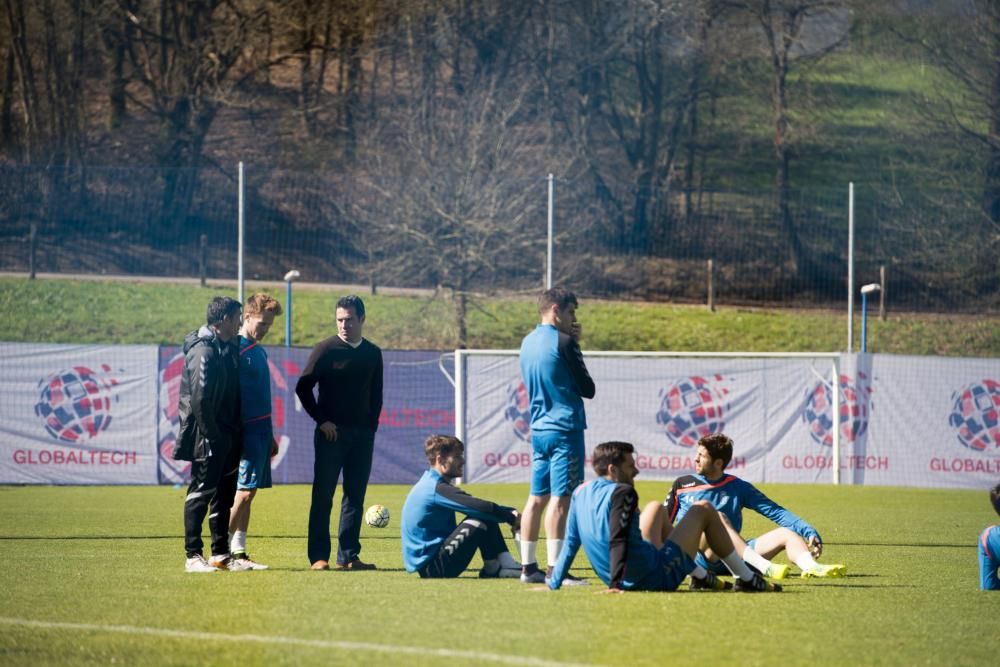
x: 974, y: 415
x: 853, y: 413
x: 518, y: 412
x: 75, y: 404
x: 693, y: 408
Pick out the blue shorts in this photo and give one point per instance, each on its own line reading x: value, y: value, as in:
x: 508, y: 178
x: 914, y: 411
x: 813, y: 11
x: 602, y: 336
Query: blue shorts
x: 556, y: 462
x: 255, y: 462
x: 717, y: 566
x: 672, y: 566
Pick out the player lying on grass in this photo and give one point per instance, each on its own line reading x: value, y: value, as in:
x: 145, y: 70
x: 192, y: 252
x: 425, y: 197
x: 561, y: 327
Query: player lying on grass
x: 729, y: 495
x: 989, y: 549
x: 433, y: 545
x: 604, y: 519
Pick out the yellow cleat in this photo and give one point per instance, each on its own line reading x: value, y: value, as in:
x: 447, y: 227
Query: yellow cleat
x: 830, y: 571
x: 777, y: 571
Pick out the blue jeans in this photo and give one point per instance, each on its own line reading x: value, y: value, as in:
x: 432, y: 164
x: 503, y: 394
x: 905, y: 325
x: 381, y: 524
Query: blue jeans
x: 351, y: 453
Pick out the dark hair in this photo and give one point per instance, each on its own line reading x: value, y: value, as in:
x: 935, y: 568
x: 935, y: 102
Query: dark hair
x: 220, y: 308
x: 441, y: 445
x: 352, y: 301
x: 610, y: 453
x: 995, y: 498
x: 557, y: 296
x: 719, y: 446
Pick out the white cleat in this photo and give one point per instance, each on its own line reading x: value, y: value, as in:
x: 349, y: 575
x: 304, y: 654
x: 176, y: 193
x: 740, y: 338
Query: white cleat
x: 198, y: 564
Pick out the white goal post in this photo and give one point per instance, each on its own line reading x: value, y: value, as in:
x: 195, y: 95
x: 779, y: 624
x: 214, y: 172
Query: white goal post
x: 661, y: 401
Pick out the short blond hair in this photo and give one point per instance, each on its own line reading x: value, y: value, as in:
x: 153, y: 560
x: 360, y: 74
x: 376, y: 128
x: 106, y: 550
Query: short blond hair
x: 262, y: 303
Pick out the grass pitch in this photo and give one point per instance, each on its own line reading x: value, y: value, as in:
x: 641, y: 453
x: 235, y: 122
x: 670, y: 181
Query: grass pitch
x: 94, y: 575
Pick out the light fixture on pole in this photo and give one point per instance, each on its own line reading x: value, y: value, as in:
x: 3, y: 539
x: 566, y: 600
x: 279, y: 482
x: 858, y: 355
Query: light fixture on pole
x: 289, y: 277
x: 870, y: 288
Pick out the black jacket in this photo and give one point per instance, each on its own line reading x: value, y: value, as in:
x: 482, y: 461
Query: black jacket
x: 209, y: 404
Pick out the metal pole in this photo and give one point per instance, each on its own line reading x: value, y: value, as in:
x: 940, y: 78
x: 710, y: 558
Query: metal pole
x: 864, y: 322
x: 239, y: 250
x: 850, y: 267
x: 548, y: 248
x: 881, y: 293
x: 288, y: 314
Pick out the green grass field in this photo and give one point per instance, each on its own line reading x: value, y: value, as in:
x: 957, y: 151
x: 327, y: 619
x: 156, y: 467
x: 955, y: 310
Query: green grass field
x: 94, y: 575
x: 104, y: 312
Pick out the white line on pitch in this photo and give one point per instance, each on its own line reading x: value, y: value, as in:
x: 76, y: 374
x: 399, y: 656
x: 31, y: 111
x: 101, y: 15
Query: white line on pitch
x: 291, y: 641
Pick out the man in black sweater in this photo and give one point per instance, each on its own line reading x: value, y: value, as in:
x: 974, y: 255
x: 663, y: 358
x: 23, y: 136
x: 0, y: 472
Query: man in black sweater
x: 348, y: 370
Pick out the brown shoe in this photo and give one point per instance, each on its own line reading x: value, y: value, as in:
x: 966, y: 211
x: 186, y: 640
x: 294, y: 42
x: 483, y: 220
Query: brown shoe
x: 320, y: 565
x: 356, y: 564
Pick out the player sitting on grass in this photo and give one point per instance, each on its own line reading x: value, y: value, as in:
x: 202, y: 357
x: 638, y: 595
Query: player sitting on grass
x: 604, y: 519
x: 433, y: 545
x: 989, y: 549
x: 729, y: 495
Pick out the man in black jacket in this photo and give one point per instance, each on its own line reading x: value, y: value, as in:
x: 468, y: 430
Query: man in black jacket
x: 347, y: 368
x: 209, y: 410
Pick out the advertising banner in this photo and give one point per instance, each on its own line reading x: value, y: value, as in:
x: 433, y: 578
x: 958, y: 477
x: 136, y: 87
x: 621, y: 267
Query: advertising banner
x: 77, y: 414
x: 908, y: 421
x: 417, y: 401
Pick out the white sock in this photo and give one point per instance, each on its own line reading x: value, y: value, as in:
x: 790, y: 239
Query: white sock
x: 737, y: 566
x: 755, y: 559
x: 805, y: 561
x: 552, y: 549
x: 238, y: 543
x: 528, y: 552
x: 699, y: 572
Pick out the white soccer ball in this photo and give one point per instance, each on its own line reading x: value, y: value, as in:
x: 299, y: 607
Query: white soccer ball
x: 377, y: 516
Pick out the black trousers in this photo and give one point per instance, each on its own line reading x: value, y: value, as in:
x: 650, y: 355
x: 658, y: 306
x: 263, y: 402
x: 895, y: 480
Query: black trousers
x: 351, y: 453
x: 457, y: 551
x: 212, y: 491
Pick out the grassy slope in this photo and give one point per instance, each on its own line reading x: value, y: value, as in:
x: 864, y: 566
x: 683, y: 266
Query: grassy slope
x: 910, y: 598
x: 62, y: 311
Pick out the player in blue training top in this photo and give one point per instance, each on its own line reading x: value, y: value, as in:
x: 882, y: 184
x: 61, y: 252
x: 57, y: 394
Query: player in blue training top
x: 434, y: 546
x: 989, y: 549
x: 604, y: 519
x: 557, y: 381
x: 259, y: 444
x: 730, y: 494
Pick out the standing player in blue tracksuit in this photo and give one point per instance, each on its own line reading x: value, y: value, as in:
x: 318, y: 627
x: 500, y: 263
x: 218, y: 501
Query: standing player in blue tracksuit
x: 434, y: 546
x: 989, y: 549
x: 730, y: 494
x: 259, y: 444
x: 557, y: 381
x: 604, y: 519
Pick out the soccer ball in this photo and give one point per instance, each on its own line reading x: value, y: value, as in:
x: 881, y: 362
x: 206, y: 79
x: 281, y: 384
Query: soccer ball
x: 377, y: 516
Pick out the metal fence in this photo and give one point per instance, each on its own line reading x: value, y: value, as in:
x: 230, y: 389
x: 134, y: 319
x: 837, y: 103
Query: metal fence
x: 937, y: 251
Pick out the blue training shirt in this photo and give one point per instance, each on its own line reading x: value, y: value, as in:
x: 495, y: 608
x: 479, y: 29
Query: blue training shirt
x: 556, y: 379
x: 989, y: 559
x: 729, y: 495
x: 603, y: 518
x: 429, y: 516
x: 255, y: 386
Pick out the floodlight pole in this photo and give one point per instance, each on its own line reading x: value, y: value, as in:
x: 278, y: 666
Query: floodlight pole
x: 548, y: 247
x: 289, y: 277
x: 241, y: 221
x: 850, y: 267
x: 865, y: 291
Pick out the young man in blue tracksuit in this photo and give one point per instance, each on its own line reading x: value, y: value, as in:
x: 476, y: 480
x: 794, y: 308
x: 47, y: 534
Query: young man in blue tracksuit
x: 605, y: 521
x: 259, y: 445
x: 989, y: 549
x: 729, y: 495
x: 557, y: 381
x: 436, y: 546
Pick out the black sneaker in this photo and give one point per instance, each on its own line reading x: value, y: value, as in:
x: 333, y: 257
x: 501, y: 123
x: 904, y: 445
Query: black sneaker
x: 756, y: 585
x: 710, y: 582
